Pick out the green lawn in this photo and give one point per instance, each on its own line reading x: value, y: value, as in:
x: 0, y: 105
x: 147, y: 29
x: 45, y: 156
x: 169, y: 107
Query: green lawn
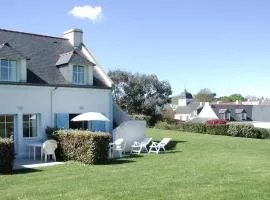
x: 196, y: 167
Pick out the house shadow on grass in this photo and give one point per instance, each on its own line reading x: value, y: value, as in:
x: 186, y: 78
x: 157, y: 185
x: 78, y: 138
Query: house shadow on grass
x: 172, y: 144
x: 125, y: 159
x: 119, y: 161
x: 25, y: 171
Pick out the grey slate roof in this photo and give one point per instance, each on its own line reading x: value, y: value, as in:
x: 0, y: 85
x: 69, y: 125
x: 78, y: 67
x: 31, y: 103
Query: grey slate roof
x: 64, y: 58
x: 189, y: 108
x: 232, y: 109
x: 74, y: 57
x: 222, y: 111
x: 43, y: 53
x: 10, y: 53
x: 185, y: 95
x: 239, y: 110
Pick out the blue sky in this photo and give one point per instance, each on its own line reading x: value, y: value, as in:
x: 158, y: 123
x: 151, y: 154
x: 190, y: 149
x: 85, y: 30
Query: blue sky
x: 222, y: 45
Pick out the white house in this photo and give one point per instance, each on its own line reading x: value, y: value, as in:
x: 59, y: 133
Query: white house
x: 187, y: 109
x: 46, y: 81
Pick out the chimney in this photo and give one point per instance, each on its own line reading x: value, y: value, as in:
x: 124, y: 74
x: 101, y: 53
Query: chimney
x: 75, y: 36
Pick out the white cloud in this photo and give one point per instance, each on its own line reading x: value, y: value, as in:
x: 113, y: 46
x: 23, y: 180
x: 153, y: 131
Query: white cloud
x: 87, y: 12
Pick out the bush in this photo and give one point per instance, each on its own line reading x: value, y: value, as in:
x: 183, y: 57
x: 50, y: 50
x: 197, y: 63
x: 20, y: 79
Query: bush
x: 164, y: 125
x: 193, y: 127
x: 235, y: 129
x: 168, y: 115
x: 248, y: 131
x: 263, y: 133
x: 81, y: 145
x: 216, y: 129
x: 50, y: 131
x: 6, y: 155
x: 216, y: 121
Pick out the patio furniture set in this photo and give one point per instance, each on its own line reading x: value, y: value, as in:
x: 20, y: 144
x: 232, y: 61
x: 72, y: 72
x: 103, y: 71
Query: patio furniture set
x: 119, y: 145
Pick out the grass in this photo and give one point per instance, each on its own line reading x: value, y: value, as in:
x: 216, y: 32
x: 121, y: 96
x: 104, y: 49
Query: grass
x: 196, y: 167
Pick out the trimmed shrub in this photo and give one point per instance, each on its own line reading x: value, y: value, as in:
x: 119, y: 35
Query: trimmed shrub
x: 169, y: 126
x: 164, y: 125
x: 81, y: 145
x: 216, y: 129
x: 248, y: 131
x: 50, y: 131
x: 193, y: 127
x: 6, y: 155
x: 235, y: 129
x: 263, y: 133
x: 216, y: 121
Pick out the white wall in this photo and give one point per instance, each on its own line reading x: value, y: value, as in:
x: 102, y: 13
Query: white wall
x: 207, y: 112
x: 119, y: 116
x: 261, y: 124
x: 184, y: 102
x: 19, y: 100
x: 182, y: 117
x: 131, y: 131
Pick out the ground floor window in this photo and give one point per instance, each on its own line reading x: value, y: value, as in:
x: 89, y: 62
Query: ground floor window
x: 30, y: 125
x: 6, y: 125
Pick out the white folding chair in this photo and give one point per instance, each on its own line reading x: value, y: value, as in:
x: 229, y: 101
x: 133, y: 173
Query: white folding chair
x: 48, y: 148
x: 138, y: 147
x: 155, y: 147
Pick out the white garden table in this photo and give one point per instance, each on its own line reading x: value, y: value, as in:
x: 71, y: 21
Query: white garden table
x: 34, y: 145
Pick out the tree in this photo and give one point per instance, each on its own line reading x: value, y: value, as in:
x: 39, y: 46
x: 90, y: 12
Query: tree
x: 140, y: 93
x: 120, y: 79
x: 168, y: 114
x: 225, y: 99
x: 237, y: 97
x: 205, y: 95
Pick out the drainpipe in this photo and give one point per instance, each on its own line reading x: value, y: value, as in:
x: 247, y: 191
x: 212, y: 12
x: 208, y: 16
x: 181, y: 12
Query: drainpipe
x: 51, y: 103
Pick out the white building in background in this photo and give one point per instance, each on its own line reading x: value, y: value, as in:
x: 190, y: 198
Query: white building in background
x: 187, y: 109
x: 46, y: 81
x: 190, y: 110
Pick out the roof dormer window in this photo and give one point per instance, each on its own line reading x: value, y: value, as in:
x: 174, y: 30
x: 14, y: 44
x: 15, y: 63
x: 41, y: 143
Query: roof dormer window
x: 8, y: 70
x: 78, y: 74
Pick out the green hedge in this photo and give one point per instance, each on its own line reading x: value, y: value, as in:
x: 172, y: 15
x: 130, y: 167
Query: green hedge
x: 6, y: 155
x: 193, y: 127
x: 216, y: 129
x: 248, y: 131
x: 81, y: 145
x: 235, y: 130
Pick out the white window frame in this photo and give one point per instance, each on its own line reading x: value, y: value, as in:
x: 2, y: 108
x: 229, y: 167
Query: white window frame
x: 5, y: 122
x: 244, y: 116
x: 222, y: 116
x: 80, y: 75
x: 29, y: 125
x: 227, y: 116
x: 10, y: 69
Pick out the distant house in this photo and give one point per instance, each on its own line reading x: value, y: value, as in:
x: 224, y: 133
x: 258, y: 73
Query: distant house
x: 190, y: 110
x: 187, y: 109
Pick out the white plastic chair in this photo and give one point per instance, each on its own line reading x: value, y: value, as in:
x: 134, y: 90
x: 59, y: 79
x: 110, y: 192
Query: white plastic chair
x: 48, y: 148
x: 119, y: 146
x: 138, y: 147
x: 157, y: 146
